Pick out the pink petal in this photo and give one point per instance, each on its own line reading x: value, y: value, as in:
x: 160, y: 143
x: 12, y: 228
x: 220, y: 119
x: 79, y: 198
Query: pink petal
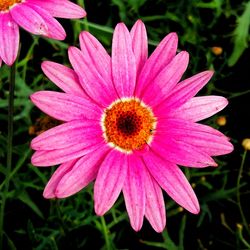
x: 139, y: 44
x: 55, y: 29
x: 163, y: 83
x: 173, y: 181
x: 109, y: 181
x: 68, y: 134
x: 9, y: 39
x: 94, y: 52
x: 62, y: 8
x: 83, y: 172
x: 123, y: 62
x: 155, y: 206
x: 160, y: 58
x: 91, y: 79
x: 0, y: 62
x: 198, y: 136
x: 134, y: 192
x: 65, y: 107
x: 180, y: 152
x: 49, y: 191
x: 199, y: 108
x: 32, y: 22
x: 53, y: 157
x: 64, y: 77
x: 183, y: 92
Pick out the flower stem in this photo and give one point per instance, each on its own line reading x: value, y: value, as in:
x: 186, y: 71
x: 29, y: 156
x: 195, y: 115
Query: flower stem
x: 105, y: 232
x: 9, y: 148
x: 238, y: 193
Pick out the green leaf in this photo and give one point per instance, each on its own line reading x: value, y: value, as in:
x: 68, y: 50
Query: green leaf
x: 240, y: 36
x: 25, y: 198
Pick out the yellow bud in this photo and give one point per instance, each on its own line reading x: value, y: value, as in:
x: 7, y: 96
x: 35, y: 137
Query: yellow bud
x: 246, y: 143
x: 217, y: 50
x: 221, y: 120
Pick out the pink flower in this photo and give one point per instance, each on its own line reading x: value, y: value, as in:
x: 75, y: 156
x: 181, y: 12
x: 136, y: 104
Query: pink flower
x: 35, y: 16
x: 128, y: 123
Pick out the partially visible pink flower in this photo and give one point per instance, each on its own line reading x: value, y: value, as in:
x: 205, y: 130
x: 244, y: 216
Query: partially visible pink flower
x: 129, y: 121
x: 35, y: 16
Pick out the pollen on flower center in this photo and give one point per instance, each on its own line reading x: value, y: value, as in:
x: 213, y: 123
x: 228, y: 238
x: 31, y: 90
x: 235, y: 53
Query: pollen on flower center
x: 6, y: 4
x: 128, y: 125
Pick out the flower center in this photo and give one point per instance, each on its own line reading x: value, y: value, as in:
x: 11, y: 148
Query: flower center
x: 6, y: 4
x: 128, y: 125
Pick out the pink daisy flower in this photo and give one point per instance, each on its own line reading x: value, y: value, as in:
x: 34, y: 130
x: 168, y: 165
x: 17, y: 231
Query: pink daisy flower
x: 128, y: 123
x: 35, y: 16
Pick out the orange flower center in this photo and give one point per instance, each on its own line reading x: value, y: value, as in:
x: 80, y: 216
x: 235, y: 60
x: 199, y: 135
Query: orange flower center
x: 6, y: 4
x: 128, y: 125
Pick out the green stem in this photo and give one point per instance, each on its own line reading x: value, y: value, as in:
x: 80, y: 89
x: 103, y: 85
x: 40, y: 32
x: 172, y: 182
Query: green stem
x: 9, y: 148
x: 238, y: 193
x: 105, y: 232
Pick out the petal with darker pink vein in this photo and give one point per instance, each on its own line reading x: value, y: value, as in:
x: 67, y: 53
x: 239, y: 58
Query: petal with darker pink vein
x: 156, y: 91
x: 64, y: 77
x: 9, y: 39
x: 45, y: 158
x: 62, y: 8
x: 109, y: 181
x: 155, y: 206
x: 199, y: 108
x: 139, y: 44
x: 94, y: 52
x: 84, y: 171
x: 55, y: 29
x: 49, y: 191
x: 32, y: 22
x: 123, y: 62
x: 91, y: 79
x: 197, y: 135
x: 173, y: 181
x: 65, y: 107
x: 68, y: 134
x: 183, y: 92
x: 134, y: 192
x: 160, y: 58
x: 180, y: 152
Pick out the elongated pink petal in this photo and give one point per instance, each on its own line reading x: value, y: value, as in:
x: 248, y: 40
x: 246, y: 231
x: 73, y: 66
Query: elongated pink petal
x: 49, y: 191
x: 109, y: 181
x: 156, y: 91
x: 155, y: 206
x: 45, y: 158
x: 55, y: 29
x: 32, y: 22
x: 64, y: 77
x: 183, y: 92
x: 199, y: 108
x: 9, y: 39
x: 162, y: 55
x: 0, y: 62
x: 134, y: 192
x: 198, y: 136
x: 83, y: 172
x: 91, y: 79
x: 94, y: 52
x: 173, y: 181
x: 68, y: 134
x: 180, y: 152
x: 123, y: 62
x: 139, y: 44
x: 62, y: 8
x: 65, y: 107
